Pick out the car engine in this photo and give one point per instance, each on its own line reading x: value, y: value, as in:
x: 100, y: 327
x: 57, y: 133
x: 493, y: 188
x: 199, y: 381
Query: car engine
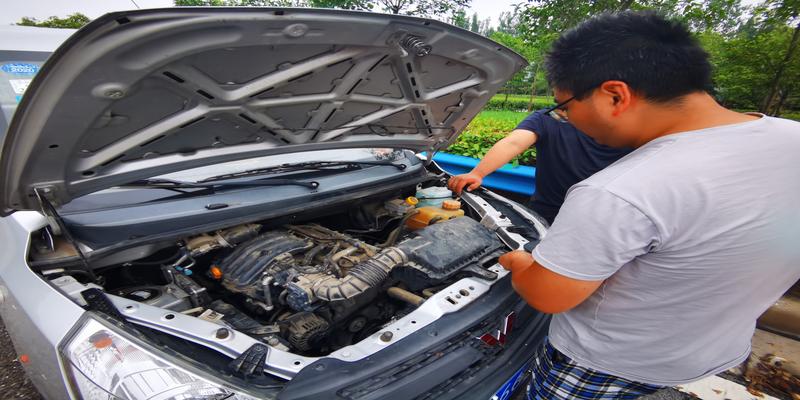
x: 314, y: 287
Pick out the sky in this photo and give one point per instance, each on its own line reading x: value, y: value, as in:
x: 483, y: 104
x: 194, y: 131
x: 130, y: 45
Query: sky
x: 12, y: 11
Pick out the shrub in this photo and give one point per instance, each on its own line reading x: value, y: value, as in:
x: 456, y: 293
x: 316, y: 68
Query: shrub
x: 486, y: 130
x: 515, y: 104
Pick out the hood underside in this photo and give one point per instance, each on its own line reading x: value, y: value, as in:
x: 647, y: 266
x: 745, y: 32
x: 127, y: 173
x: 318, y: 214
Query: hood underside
x: 139, y: 94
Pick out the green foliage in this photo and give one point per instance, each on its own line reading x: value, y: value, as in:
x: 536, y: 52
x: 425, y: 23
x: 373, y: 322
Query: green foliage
x: 72, y: 21
x: 459, y: 19
x: 422, y: 8
x: 508, y: 22
x: 754, y: 48
x: 359, y: 5
x: 745, y: 66
x: 517, y: 103
x: 485, y: 130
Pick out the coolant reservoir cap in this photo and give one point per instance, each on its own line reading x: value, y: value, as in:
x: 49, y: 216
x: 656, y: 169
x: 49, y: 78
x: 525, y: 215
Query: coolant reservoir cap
x: 451, y: 204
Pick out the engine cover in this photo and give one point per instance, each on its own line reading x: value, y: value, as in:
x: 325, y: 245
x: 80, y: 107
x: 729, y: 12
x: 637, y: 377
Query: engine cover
x: 441, y: 250
x: 265, y: 255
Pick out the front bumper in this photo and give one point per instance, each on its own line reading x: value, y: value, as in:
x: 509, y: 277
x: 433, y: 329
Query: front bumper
x: 440, y: 361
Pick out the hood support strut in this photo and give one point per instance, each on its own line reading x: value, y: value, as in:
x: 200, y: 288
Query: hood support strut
x: 58, y: 226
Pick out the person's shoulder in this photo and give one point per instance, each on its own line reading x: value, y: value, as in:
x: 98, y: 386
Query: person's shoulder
x: 536, y: 122
x: 631, y: 166
x: 783, y: 123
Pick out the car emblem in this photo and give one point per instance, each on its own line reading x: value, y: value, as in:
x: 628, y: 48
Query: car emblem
x: 502, y: 333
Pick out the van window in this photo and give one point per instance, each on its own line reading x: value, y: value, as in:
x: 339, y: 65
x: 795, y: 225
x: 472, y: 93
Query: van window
x: 17, y: 68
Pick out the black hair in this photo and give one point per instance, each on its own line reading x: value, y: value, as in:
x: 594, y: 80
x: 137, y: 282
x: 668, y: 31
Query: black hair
x: 658, y: 58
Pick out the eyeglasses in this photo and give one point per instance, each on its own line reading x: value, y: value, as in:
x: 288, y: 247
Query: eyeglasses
x: 559, y: 117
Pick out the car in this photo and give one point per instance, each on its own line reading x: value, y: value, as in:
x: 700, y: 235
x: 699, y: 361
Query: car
x: 226, y: 203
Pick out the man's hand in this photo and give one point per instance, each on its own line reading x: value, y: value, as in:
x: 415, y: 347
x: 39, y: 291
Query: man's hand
x: 516, y: 260
x: 471, y: 180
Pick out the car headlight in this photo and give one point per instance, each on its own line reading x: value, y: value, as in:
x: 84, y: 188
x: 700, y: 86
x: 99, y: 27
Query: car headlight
x: 103, y: 364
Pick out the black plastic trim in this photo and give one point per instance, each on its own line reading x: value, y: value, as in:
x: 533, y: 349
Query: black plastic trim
x: 326, y: 377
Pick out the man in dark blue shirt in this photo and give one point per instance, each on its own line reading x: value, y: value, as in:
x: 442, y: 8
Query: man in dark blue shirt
x: 564, y: 157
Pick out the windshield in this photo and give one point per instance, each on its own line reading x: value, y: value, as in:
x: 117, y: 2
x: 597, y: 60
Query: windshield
x: 17, y: 68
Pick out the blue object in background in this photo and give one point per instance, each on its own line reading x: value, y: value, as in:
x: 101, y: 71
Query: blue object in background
x: 520, y: 179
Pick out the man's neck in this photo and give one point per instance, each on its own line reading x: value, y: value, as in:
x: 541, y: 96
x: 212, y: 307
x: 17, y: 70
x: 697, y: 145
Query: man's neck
x: 695, y: 111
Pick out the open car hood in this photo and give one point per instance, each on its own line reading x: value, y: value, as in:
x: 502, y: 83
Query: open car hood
x: 144, y: 93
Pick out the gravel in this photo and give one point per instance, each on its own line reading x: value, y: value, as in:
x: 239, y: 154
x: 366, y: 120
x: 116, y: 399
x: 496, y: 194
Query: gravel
x: 14, y: 384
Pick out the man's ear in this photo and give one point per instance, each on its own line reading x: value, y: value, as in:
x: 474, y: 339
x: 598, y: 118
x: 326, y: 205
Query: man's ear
x: 616, y: 95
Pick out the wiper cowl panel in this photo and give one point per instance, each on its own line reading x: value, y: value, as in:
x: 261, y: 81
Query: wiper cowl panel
x: 173, y: 184
x: 312, y: 166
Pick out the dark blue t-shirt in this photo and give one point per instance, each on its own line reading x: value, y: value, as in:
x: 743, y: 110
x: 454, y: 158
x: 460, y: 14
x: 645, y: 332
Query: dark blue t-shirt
x: 564, y: 157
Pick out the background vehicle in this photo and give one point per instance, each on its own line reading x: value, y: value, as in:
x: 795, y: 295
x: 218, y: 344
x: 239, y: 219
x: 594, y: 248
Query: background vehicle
x: 210, y: 203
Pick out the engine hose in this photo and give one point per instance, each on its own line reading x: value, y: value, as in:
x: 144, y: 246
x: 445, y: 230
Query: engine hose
x: 363, y: 276
x: 313, y: 253
x: 395, y: 234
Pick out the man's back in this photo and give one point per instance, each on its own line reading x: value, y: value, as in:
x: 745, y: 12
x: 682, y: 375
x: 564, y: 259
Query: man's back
x: 703, y: 223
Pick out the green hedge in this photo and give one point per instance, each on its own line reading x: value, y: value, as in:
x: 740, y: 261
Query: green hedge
x: 791, y: 115
x: 486, y: 130
x: 515, y: 104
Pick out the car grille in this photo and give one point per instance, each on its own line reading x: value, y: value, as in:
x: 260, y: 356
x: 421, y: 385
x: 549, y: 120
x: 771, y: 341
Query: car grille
x: 409, y: 366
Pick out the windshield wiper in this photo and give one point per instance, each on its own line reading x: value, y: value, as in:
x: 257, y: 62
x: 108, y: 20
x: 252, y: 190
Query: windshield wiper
x: 303, y: 166
x: 159, y: 183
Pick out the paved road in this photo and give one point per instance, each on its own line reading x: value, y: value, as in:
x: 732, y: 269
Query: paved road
x: 13, y: 382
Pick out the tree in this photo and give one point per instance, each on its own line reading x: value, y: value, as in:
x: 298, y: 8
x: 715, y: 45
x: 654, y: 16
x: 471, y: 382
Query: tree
x: 473, y: 25
x: 459, y: 19
x: 359, y: 5
x: 72, y: 21
x: 508, y: 22
x: 711, y: 15
x: 485, y: 27
x: 699, y: 15
x: 780, y: 13
x: 422, y: 8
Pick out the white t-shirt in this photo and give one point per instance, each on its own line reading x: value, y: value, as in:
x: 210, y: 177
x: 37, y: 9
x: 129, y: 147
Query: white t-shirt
x: 696, y: 234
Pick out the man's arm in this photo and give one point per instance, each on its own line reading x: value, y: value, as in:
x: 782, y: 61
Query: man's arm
x: 543, y: 289
x: 502, y: 152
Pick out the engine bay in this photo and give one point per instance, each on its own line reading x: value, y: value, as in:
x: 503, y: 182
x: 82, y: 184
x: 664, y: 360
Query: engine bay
x: 315, y: 286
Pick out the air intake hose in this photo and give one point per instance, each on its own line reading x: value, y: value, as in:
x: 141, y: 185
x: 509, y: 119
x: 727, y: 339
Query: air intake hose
x: 364, y: 275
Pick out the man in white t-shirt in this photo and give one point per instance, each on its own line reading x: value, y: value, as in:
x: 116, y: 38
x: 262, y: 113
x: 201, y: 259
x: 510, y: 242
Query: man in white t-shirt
x: 658, y: 266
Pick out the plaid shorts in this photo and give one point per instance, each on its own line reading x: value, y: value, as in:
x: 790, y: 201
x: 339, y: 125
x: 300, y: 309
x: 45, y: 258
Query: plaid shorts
x: 556, y: 376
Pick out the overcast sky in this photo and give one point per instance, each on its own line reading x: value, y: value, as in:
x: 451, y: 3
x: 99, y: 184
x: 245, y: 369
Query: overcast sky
x: 12, y: 10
